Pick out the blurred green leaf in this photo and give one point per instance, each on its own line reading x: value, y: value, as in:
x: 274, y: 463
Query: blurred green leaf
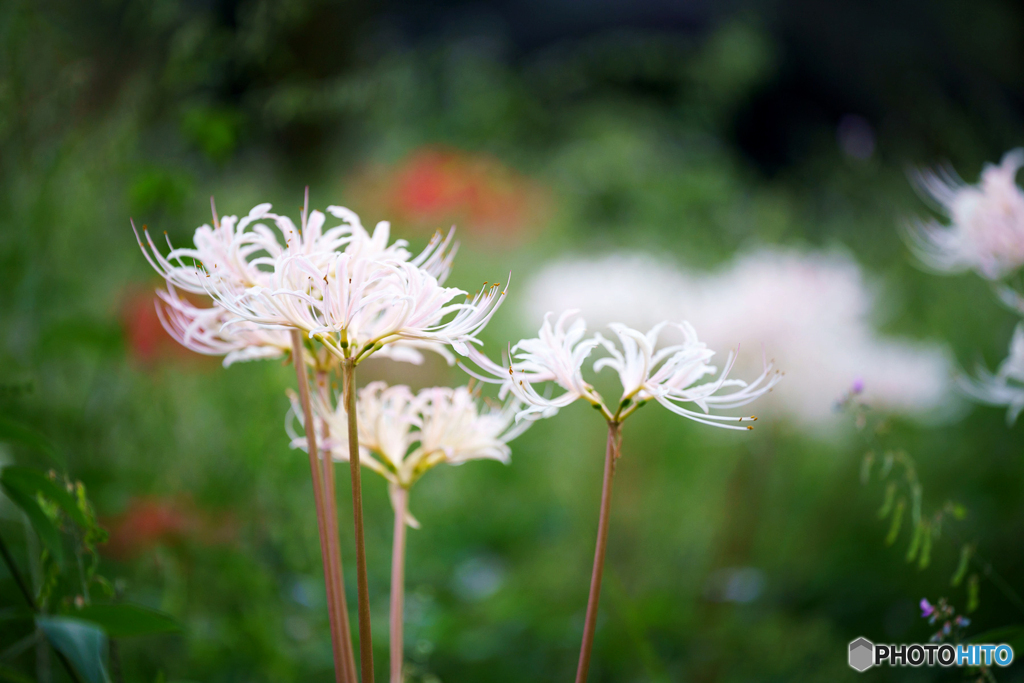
x: 9, y: 674
x: 32, y: 482
x: 972, y: 593
x: 926, y: 546
x: 865, y: 467
x: 897, y: 521
x: 890, y: 497
x: 961, y: 568
x: 83, y: 643
x: 123, y: 620
x: 915, y: 542
x: 16, y: 433
x: 915, y: 509
x: 41, y: 522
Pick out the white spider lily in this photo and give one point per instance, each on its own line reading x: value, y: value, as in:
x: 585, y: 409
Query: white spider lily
x: 385, y: 422
x: 357, y: 306
x: 1006, y: 386
x: 402, y: 435
x: 207, y: 331
x: 668, y: 375
x: 346, y: 287
x: 986, y: 230
x: 555, y: 355
x: 436, y: 259
x: 455, y: 429
x: 243, y: 251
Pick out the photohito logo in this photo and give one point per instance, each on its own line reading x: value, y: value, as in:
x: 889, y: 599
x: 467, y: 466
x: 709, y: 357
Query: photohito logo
x: 864, y: 654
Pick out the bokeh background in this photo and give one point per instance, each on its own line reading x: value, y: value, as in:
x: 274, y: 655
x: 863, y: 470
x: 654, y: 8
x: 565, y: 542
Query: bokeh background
x: 696, y: 134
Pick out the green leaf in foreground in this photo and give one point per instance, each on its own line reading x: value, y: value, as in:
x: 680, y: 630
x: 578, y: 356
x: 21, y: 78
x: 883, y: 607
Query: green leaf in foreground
x: 124, y: 620
x: 31, y: 482
x: 44, y: 526
x: 83, y: 643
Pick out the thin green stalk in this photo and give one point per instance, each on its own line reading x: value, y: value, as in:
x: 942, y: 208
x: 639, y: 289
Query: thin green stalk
x: 365, y: 643
x: 611, y: 455
x: 337, y: 642
x: 338, y: 574
x: 401, y: 502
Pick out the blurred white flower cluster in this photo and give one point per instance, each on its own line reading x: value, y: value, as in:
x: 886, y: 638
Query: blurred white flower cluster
x: 346, y: 288
x: 986, y: 235
x: 811, y: 313
x: 1006, y: 386
x: 986, y: 229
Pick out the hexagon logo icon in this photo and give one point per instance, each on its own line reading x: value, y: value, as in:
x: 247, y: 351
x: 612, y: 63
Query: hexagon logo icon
x: 862, y: 654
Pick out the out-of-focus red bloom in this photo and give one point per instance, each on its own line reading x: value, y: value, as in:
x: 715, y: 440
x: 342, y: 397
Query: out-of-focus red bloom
x: 436, y: 186
x: 145, y: 337
x: 150, y: 521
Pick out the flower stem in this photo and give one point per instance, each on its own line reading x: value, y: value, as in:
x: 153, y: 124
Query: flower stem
x: 337, y: 575
x: 611, y: 455
x: 401, y: 502
x: 365, y: 644
x: 337, y: 642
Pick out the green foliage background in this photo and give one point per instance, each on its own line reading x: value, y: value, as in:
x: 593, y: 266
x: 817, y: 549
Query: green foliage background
x: 644, y: 137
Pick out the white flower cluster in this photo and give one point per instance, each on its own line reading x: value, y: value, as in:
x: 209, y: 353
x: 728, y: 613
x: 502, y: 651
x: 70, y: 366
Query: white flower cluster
x: 351, y: 294
x: 986, y: 235
x: 346, y: 288
x: 669, y: 375
x: 403, y: 434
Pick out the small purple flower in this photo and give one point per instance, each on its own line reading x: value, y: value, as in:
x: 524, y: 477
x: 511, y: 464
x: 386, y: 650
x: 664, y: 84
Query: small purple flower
x: 946, y: 629
x: 858, y: 386
x: 926, y: 608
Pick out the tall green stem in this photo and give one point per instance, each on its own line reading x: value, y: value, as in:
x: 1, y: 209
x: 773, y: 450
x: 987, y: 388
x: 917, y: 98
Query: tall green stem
x: 334, y: 612
x: 365, y: 642
x: 401, y: 503
x: 337, y: 573
x: 611, y: 455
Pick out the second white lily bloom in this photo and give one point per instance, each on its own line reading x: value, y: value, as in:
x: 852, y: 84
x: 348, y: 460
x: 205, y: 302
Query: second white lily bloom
x: 669, y: 375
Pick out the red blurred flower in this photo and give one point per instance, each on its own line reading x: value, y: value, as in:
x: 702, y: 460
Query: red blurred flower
x: 435, y: 186
x: 150, y: 521
x: 145, y: 337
